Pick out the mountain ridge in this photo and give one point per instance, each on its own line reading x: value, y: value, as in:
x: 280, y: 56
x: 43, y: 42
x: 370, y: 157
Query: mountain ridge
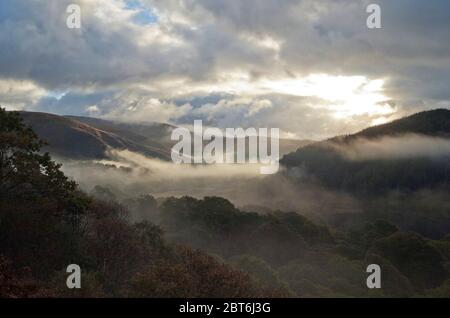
x: 77, y: 137
x: 434, y: 122
x: 375, y: 165
x: 70, y: 137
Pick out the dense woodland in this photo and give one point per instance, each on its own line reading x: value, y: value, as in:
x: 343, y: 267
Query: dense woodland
x: 325, y: 162
x: 188, y: 247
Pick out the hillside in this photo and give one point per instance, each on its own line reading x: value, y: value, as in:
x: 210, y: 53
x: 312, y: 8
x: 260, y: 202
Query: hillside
x: 78, y: 137
x: 409, y: 153
x: 89, y: 138
x: 185, y: 247
x: 153, y: 135
x: 433, y: 123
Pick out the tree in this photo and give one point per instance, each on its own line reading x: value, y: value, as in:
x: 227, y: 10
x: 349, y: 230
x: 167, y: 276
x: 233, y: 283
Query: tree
x: 41, y: 210
x: 26, y: 172
x: 414, y: 257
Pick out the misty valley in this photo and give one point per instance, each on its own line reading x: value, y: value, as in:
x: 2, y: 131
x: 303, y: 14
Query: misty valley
x: 139, y: 225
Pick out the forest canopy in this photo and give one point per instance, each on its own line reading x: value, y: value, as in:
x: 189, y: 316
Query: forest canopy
x: 188, y: 247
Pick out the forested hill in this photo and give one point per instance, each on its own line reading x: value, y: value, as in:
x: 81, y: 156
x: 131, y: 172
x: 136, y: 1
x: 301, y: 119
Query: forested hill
x: 433, y: 123
x: 410, y: 153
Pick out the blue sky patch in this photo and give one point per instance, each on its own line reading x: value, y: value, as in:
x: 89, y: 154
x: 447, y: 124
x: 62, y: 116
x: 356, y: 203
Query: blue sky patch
x: 145, y: 15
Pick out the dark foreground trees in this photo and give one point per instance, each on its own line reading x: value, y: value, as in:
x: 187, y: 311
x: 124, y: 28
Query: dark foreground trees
x: 46, y: 223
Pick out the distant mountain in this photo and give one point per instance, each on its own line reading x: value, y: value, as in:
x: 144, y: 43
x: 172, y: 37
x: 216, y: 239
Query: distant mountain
x: 90, y: 138
x: 77, y: 137
x: 153, y: 135
x: 327, y: 162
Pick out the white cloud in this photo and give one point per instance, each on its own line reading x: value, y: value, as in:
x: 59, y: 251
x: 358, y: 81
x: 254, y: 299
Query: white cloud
x: 93, y: 110
x: 311, y: 68
x: 134, y: 107
x: 19, y: 94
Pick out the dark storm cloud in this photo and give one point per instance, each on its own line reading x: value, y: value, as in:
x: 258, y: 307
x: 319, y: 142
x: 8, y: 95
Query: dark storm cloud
x: 194, y: 54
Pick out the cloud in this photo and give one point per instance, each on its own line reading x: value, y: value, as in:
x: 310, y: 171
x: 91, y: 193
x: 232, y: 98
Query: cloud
x: 227, y: 112
x: 18, y: 94
x: 245, y: 52
x: 135, y: 107
x: 243, y: 184
x: 93, y: 110
x: 399, y: 147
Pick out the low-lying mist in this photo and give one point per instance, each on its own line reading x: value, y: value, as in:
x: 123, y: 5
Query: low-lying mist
x: 129, y: 174
x: 395, y: 147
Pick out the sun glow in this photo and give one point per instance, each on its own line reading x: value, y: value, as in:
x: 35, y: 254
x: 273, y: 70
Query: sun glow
x: 344, y: 96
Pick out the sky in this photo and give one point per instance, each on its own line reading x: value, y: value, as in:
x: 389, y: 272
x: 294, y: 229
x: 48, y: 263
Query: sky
x: 311, y: 68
